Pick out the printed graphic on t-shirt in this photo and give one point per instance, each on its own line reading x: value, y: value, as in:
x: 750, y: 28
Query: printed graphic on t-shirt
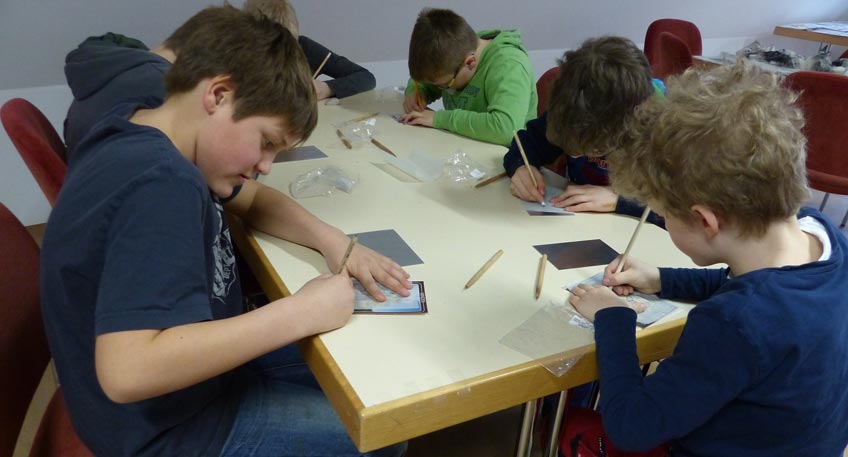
x: 225, y: 260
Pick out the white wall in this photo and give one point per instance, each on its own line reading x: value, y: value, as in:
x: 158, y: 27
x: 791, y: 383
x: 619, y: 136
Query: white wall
x: 36, y: 35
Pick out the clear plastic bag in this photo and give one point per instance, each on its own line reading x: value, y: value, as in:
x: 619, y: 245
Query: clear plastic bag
x: 322, y: 181
x: 390, y: 93
x: 459, y: 168
x: 358, y: 133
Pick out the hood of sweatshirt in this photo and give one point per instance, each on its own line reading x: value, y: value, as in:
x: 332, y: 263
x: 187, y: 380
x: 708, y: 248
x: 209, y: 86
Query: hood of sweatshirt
x: 98, y: 60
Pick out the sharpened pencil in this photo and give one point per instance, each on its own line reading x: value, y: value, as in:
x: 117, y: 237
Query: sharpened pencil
x: 484, y: 268
x: 347, y: 253
x: 364, y: 117
x: 527, y: 164
x: 632, y: 240
x: 382, y: 146
x: 419, y: 99
x: 321, y: 67
x: 344, y: 140
x: 540, y: 274
x: 490, y: 180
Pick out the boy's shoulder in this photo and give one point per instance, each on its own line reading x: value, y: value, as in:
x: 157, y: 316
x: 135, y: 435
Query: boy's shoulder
x: 118, y: 150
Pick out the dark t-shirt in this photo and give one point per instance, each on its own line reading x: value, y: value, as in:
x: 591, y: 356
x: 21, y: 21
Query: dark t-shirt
x: 136, y: 241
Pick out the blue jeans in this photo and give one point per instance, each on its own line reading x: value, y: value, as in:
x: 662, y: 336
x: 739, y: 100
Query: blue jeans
x: 283, y: 413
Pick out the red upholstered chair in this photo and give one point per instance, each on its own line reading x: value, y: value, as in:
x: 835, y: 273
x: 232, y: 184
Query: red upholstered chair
x: 24, y: 354
x: 674, y: 56
x: 684, y: 30
x: 824, y: 99
x: 543, y: 88
x: 38, y: 143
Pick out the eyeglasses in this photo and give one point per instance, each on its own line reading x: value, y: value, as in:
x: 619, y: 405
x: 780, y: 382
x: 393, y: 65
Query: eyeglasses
x: 453, y: 79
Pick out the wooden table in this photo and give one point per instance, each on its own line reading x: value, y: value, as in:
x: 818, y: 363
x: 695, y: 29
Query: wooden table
x: 392, y: 378
x: 825, y: 33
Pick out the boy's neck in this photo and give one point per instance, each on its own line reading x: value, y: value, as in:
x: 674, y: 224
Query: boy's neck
x: 174, y: 119
x: 784, y: 244
x: 481, y: 45
x: 165, y: 53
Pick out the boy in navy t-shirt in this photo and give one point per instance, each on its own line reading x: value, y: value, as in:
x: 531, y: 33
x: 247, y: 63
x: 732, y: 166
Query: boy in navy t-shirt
x: 140, y: 290
x: 761, y: 366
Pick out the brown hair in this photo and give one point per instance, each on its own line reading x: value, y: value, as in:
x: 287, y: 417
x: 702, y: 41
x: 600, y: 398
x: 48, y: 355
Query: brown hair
x: 441, y: 39
x: 280, y: 11
x: 597, y: 88
x: 264, y: 62
x: 730, y: 140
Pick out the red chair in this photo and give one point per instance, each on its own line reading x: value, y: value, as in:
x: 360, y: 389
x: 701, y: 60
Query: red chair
x: 674, y: 56
x: 38, y: 143
x: 24, y: 354
x: 684, y: 30
x: 543, y: 89
x: 824, y: 99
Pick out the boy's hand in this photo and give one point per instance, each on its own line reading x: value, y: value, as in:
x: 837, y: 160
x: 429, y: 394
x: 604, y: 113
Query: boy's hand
x: 370, y: 267
x: 522, y: 186
x: 329, y: 301
x: 322, y: 89
x: 588, y: 300
x: 410, y: 103
x: 424, y: 118
x: 599, y: 199
x: 635, y: 275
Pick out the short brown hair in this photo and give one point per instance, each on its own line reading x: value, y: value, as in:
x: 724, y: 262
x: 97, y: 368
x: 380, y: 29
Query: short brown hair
x: 598, y: 86
x: 440, y: 41
x: 730, y: 140
x: 265, y: 63
x: 279, y: 11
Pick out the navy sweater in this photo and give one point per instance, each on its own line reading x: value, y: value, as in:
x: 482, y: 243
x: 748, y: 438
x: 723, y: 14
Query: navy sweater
x: 760, y: 369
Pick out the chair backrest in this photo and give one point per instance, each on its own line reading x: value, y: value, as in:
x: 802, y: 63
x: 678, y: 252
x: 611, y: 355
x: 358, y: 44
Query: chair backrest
x: 684, y: 30
x: 23, y: 346
x: 24, y: 353
x: 674, y: 56
x: 824, y: 99
x: 38, y: 143
x: 543, y: 88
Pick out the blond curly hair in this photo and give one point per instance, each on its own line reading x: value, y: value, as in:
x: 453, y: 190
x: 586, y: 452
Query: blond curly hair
x: 730, y: 140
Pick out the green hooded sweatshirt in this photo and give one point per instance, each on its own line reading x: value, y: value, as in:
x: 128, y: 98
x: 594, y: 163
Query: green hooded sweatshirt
x: 499, y: 99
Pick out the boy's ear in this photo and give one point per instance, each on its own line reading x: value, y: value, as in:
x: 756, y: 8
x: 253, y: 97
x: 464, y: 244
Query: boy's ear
x: 707, y: 219
x: 219, y: 91
x: 471, y: 60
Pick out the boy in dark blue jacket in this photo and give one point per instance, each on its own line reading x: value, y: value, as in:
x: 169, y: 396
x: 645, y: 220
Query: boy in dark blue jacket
x: 597, y: 88
x: 762, y: 363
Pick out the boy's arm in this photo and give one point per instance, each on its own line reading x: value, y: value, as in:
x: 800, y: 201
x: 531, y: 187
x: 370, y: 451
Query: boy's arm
x: 634, y: 208
x: 711, y: 365
x: 508, y: 90
x: 273, y: 212
x: 691, y: 284
x: 349, y: 77
x: 139, y: 364
x: 539, y: 151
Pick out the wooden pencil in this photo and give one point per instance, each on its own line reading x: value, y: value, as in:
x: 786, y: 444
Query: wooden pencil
x: 382, y: 146
x: 540, y: 274
x: 527, y: 164
x: 490, y: 180
x: 484, y: 268
x: 419, y: 99
x: 321, y: 67
x: 364, y: 117
x: 347, y: 253
x: 344, y: 140
x: 632, y: 240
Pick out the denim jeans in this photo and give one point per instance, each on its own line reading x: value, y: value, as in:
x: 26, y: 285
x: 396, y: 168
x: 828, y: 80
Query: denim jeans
x: 283, y: 413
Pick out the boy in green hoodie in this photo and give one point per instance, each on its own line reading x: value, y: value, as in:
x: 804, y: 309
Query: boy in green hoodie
x: 484, y: 79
